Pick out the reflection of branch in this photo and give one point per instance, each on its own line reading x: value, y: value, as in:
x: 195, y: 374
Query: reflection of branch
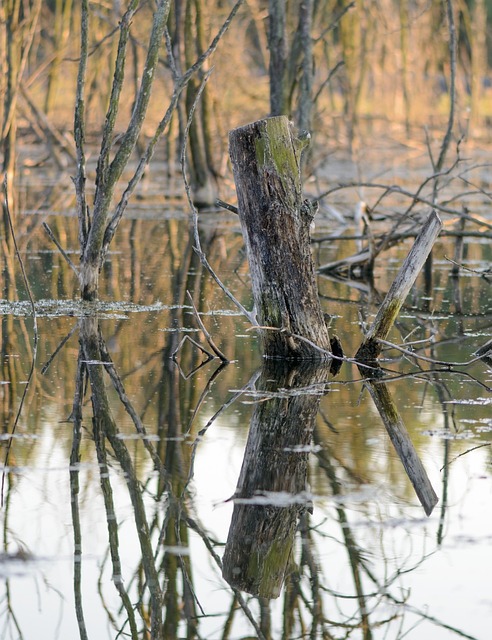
x: 308, y: 558
x: 76, y: 416
x: 479, y: 446
x: 112, y: 523
x: 353, y: 550
x: 209, y: 338
x: 193, y: 524
x: 204, y: 429
x: 6, y: 209
x: 94, y: 352
x: 202, y: 397
x: 439, y: 623
x: 120, y: 389
x: 62, y: 343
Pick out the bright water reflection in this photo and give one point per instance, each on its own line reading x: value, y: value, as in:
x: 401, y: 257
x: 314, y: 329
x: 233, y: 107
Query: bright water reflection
x: 123, y: 473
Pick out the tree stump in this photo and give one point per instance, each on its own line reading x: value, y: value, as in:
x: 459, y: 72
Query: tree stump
x: 275, y: 221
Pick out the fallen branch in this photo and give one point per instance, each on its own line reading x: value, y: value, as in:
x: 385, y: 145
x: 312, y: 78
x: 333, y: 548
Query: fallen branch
x: 209, y: 338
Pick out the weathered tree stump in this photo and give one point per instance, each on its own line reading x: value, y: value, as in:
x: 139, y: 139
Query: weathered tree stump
x: 275, y: 221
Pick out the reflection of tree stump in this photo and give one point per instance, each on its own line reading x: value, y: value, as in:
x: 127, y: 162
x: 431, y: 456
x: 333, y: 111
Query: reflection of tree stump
x: 271, y: 490
x: 275, y: 222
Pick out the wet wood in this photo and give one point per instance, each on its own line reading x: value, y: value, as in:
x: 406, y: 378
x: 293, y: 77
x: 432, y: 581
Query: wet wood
x: 275, y: 220
x: 272, y: 492
x: 485, y: 353
x: 403, y: 444
x: 405, y: 278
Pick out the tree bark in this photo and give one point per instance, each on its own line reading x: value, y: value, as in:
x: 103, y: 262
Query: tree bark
x: 277, y: 43
x: 404, y: 281
x: 266, y: 159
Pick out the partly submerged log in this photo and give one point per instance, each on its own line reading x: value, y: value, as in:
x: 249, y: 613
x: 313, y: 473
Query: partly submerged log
x: 271, y: 493
x: 405, y: 278
x: 275, y: 220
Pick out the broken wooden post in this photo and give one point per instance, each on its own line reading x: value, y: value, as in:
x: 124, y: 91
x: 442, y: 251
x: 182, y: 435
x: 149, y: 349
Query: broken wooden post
x: 405, y: 278
x: 275, y: 221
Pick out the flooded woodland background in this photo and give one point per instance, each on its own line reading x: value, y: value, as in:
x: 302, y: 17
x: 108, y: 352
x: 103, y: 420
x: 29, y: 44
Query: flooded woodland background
x: 151, y: 489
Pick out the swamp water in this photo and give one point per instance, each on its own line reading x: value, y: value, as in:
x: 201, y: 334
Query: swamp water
x: 100, y: 538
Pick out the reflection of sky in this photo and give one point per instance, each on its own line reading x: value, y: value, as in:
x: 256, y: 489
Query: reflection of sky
x: 452, y: 584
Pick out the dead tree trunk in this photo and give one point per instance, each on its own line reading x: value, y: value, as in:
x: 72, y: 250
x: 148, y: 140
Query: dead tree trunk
x: 275, y: 220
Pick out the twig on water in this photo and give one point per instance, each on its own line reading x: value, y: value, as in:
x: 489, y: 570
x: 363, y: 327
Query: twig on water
x: 209, y: 354
x: 412, y: 354
x: 479, y: 446
x: 209, y: 338
x: 35, y: 339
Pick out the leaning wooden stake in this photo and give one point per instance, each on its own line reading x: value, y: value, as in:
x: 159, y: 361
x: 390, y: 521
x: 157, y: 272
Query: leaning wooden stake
x: 389, y: 309
x: 275, y: 220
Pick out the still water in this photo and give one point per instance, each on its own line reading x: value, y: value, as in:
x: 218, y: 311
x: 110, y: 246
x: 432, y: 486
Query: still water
x: 140, y: 473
